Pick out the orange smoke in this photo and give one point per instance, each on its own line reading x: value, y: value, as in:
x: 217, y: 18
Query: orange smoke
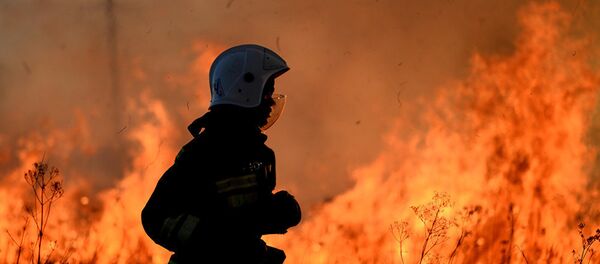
x: 510, y: 139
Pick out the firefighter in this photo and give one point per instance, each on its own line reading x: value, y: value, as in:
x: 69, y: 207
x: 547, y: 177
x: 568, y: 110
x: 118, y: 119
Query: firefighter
x: 216, y: 201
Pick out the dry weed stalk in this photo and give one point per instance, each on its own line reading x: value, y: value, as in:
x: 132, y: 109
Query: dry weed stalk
x: 435, y: 224
x: 400, y: 232
x: 586, y: 245
x: 47, y: 188
x: 436, y: 227
x: 19, y: 243
x: 508, y: 244
x: 466, y: 216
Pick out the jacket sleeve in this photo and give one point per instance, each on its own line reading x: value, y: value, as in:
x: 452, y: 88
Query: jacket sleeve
x: 160, y: 219
x: 167, y: 217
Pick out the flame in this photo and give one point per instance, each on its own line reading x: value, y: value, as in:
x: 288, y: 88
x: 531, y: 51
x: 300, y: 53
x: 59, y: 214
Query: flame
x: 105, y: 228
x: 509, y: 139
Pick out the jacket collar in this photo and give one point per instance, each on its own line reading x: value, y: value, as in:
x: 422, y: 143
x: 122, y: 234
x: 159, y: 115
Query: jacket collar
x: 226, y: 125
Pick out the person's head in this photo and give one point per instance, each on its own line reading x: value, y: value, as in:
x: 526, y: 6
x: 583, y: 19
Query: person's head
x: 242, y: 79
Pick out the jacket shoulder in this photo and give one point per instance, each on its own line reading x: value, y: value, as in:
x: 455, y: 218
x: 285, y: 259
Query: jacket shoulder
x: 193, y: 148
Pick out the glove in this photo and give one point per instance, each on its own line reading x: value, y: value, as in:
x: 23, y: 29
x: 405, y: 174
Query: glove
x: 282, y: 213
x: 288, y: 209
x: 274, y: 256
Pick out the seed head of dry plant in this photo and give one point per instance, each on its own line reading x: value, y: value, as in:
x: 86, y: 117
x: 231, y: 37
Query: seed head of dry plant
x: 47, y: 188
x: 587, y: 251
x: 435, y: 223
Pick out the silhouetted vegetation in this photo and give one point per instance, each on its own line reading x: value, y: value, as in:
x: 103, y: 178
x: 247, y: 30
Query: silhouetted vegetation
x: 46, y: 188
x: 587, y: 244
x: 463, y: 229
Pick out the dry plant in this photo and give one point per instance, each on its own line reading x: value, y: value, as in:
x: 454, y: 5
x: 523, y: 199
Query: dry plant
x: 400, y: 232
x: 436, y: 226
x: 508, y: 244
x: 46, y: 188
x: 19, y: 242
x: 587, y: 250
x: 467, y: 216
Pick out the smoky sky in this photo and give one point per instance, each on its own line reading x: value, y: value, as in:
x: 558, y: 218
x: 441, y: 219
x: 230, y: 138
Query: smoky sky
x: 69, y: 68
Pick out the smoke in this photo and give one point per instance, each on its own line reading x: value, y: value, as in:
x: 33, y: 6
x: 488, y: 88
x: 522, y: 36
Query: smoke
x: 72, y: 71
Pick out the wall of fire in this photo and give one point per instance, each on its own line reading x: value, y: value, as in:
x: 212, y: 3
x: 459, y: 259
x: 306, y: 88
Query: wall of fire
x: 105, y: 89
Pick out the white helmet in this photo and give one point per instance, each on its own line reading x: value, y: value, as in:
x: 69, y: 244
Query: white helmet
x: 239, y: 74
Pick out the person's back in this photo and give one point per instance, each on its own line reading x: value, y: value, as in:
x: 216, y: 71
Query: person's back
x: 216, y: 201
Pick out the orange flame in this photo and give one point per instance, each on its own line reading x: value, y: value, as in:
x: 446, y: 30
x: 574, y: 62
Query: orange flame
x: 508, y: 139
x: 107, y: 228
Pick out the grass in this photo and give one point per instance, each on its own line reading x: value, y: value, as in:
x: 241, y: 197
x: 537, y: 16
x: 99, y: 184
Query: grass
x: 444, y: 234
x: 443, y: 237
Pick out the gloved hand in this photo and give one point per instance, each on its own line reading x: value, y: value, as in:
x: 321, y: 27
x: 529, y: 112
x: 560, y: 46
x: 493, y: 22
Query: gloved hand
x: 274, y: 256
x: 289, y: 213
x: 282, y: 213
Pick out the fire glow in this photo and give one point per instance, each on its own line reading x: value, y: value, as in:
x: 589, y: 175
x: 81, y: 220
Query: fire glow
x: 507, y: 143
x: 508, y: 140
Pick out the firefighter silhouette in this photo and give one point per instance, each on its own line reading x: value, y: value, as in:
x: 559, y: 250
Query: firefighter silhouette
x: 216, y: 201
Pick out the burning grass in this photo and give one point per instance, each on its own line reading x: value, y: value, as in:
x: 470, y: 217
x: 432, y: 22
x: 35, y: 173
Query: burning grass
x: 507, y: 143
x: 446, y: 238
x: 47, y: 189
x: 510, y: 140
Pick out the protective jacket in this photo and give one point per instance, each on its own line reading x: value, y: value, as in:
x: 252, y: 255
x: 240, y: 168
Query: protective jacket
x: 214, y: 203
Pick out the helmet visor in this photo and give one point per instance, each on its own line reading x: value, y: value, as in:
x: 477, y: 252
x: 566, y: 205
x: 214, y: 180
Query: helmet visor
x: 276, y: 110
